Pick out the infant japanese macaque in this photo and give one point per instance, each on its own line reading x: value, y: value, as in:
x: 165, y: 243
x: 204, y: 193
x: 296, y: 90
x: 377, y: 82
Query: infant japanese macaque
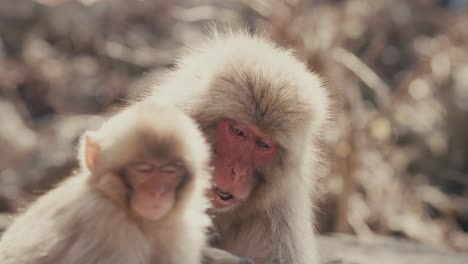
x: 139, y: 197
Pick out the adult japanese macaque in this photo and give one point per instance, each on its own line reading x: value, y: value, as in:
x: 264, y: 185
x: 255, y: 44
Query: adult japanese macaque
x: 262, y: 111
x: 139, y: 197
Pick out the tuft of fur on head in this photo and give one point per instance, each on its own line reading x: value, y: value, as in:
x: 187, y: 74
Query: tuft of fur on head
x: 247, y: 77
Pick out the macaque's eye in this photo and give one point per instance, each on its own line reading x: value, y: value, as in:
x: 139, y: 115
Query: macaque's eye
x: 262, y: 144
x: 144, y: 167
x: 236, y: 131
x: 170, y: 168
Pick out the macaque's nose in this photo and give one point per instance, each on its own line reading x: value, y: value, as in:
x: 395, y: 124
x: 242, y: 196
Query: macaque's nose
x: 238, y: 172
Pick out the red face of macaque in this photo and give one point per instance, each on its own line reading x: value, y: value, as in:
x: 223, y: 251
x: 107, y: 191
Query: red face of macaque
x: 241, y: 149
x: 154, y: 185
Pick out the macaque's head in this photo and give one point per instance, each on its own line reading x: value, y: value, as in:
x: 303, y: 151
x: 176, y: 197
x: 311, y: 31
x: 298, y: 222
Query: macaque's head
x: 149, y: 158
x: 260, y: 108
x: 241, y: 151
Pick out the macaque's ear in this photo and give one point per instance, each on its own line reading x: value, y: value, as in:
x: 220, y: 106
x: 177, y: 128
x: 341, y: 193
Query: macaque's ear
x: 89, y: 151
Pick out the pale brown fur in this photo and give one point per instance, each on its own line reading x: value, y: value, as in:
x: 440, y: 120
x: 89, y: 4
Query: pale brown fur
x: 87, y: 218
x: 246, y: 77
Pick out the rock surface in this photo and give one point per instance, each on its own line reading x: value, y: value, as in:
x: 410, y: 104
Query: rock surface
x: 347, y: 249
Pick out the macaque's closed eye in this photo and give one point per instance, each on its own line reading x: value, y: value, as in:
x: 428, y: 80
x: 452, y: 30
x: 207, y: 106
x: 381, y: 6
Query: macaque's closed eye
x: 172, y: 168
x: 143, y: 167
x: 146, y: 167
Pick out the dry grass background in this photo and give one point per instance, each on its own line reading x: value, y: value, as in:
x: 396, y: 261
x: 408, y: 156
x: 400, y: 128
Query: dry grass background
x: 398, y: 71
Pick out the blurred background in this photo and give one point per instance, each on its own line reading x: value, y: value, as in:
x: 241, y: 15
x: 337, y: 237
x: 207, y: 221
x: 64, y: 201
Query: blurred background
x: 396, y: 162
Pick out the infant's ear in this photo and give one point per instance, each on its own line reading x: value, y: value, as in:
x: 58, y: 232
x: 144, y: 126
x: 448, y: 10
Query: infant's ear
x: 88, y: 151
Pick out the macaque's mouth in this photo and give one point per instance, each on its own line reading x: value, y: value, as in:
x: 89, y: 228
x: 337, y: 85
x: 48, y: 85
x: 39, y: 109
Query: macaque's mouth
x: 225, y: 196
x: 221, y: 199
